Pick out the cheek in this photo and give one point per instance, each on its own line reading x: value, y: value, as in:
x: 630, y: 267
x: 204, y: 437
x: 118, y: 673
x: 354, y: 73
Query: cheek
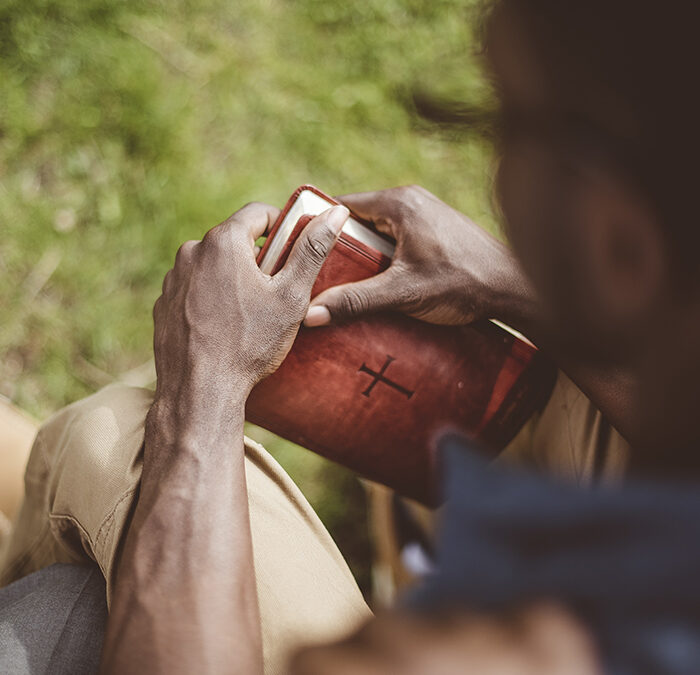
x: 526, y: 198
x: 537, y: 197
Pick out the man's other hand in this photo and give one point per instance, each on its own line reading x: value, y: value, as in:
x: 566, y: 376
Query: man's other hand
x: 221, y: 325
x: 541, y: 640
x: 446, y: 269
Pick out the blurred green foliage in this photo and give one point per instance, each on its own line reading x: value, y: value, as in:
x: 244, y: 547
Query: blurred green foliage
x: 129, y: 127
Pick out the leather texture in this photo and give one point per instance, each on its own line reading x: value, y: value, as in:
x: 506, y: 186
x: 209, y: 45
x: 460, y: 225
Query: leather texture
x: 374, y: 394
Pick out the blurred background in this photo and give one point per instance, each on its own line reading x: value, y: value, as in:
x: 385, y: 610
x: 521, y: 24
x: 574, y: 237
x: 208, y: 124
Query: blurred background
x: 129, y: 127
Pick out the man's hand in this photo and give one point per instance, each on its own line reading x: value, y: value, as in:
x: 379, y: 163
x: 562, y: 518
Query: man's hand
x: 448, y: 270
x: 222, y: 318
x: 542, y: 640
x: 445, y: 270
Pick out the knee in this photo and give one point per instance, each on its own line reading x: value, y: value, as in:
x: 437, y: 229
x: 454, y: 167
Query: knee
x: 89, y: 448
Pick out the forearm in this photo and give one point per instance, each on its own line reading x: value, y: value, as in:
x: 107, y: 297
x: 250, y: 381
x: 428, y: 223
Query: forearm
x: 185, y: 598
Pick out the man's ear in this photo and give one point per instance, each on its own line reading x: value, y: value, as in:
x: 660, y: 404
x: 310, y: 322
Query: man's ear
x: 624, y: 249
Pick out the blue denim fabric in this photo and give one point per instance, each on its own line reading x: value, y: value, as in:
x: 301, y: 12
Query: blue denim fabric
x: 625, y: 559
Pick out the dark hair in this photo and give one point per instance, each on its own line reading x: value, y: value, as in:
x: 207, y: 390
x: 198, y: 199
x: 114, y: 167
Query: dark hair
x: 622, y: 76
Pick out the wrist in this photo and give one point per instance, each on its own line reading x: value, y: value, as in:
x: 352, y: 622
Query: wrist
x: 200, y: 392
x: 514, y: 300
x: 198, y: 418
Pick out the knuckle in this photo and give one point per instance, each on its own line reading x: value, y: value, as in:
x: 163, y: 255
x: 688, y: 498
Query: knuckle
x: 184, y: 253
x: 352, y: 302
x: 218, y: 240
x: 413, y: 196
x: 406, y: 201
x: 318, y: 245
x: 251, y: 206
x: 247, y: 211
x: 412, y: 297
x: 404, y: 192
x: 212, y: 238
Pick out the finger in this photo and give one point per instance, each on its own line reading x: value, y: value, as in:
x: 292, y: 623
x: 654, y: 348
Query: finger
x: 167, y: 282
x: 255, y: 218
x: 313, y: 246
x: 391, y: 210
x: 157, y: 307
x: 251, y: 222
x: 377, y: 207
x: 185, y: 253
x: 349, y: 301
x: 159, y: 313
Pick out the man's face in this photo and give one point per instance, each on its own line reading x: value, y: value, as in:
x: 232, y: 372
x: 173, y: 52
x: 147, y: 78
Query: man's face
x: 561, y: 211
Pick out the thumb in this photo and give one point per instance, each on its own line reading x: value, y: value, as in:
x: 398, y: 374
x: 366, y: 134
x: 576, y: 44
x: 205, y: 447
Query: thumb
x: 341, y: 303
x: 313, y: 246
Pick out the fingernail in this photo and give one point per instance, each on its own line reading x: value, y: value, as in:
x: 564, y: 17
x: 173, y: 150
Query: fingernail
x: 337, y: 218
x: 317, y: 316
